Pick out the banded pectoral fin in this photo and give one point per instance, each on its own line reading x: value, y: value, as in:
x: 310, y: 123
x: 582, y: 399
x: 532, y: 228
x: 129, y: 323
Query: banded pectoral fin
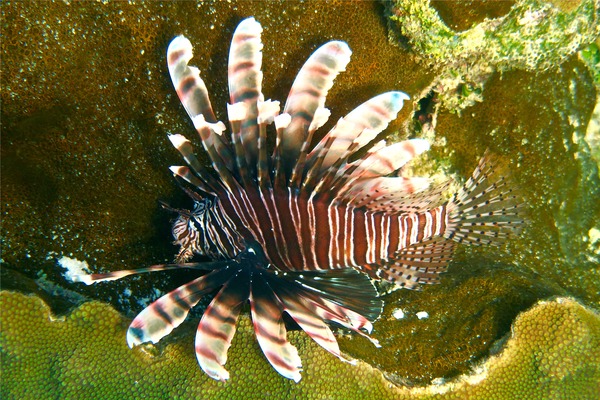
x: 312, y: 299
x: 420, y: 263
x: 344, y: 297
x: 89, y: 279
x: 345, y: 287
x: 270, y: 330
x: 168, y: 312
x: 218, y: 325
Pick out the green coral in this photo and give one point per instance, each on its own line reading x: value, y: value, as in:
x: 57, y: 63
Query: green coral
x: 534, y: 35
x: 591, y: 56
x: 85, y: 355
x: 554, y: 351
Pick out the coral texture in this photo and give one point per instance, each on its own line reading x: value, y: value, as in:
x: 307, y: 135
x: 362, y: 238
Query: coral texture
x: 533, y: 35
x: 553, y: 352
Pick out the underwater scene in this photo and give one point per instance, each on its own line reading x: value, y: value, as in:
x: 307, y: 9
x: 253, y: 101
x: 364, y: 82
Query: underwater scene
x: 300, y: 199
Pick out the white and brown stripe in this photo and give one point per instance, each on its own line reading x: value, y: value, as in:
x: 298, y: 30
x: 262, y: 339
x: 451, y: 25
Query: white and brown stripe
x: 298, y: 233
x: 218, y: 325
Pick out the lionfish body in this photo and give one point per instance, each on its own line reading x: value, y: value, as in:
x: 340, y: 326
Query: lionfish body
x: 303, y: 230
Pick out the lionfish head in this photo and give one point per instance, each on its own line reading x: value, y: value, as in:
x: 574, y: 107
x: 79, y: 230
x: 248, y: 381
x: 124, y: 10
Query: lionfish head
x: 188, y: 231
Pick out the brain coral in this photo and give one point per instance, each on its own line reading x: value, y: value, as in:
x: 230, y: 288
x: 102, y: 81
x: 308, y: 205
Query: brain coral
x: 553, y: 353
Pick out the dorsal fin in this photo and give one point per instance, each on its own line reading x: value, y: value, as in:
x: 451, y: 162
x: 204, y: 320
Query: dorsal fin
x: 194, y: 97
x: 365, y: 192
x: 365, y: 182
x: 324, y: 170
x: 245, y: 85
x: 418, y: 264
x: 360, y: 126
x: 402, y: 200
x: 321, y: 116
x: 188, y: 84
x: 389, y: 158
x: 186, y: 174
x: 307, y: 95
x: 207, y: 183
x: 488, y: 208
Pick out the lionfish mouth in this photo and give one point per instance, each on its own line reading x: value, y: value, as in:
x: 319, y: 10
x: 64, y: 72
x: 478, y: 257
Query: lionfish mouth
x: 304, y: 231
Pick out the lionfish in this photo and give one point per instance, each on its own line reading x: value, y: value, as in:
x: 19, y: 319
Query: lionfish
x: 303, y: 231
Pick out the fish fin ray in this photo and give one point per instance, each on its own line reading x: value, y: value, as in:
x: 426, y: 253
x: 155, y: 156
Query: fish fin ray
x: 165, y: 314
x: 194, y: 96
x: 89, y: 279
x: 393, y: 194
x: 189, y: 86
x: 300, y: 311
x: 245, y: 85
x: 368, y: 177
x: 318, y: 292
x: 420, y: 263
x: 306, y: 96
x: 271, y: 332
x: 360, y: 126
x: 346, y: 287
x: 488, y: 208
x: 218, y: 326
x: 389, y: 158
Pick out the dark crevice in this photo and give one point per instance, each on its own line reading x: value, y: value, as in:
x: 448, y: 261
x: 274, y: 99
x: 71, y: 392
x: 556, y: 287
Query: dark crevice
x: 425, y: 110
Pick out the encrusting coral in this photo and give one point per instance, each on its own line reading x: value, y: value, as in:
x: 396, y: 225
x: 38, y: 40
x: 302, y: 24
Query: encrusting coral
x: 553, y: 352
x: 533, y: 35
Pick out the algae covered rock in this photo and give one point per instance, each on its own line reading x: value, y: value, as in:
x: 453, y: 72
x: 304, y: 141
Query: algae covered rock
x: 530, y: 35
x: 553, y: 352
x: 539, y: 120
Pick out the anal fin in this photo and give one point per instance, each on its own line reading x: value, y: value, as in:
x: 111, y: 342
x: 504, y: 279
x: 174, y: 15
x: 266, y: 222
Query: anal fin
x: 420, y: 263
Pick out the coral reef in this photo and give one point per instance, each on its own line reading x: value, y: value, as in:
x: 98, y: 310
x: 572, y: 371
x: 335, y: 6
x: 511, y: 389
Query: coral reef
x: 552, y: 352
x: 87, y: 105
x: 538, y: 120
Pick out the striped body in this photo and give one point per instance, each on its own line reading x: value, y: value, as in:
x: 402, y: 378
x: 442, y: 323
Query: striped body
x: 297, y: 233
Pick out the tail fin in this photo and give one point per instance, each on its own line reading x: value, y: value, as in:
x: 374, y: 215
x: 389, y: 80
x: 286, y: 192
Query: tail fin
x: 487, y: 209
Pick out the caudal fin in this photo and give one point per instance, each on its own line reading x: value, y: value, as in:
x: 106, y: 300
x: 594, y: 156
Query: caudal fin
x: 487, y: 209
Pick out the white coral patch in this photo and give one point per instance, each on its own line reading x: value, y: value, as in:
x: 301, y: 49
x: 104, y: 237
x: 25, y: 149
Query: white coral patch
x: 74, y: 268
x: 398, y: 313
x: 422, y: 315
